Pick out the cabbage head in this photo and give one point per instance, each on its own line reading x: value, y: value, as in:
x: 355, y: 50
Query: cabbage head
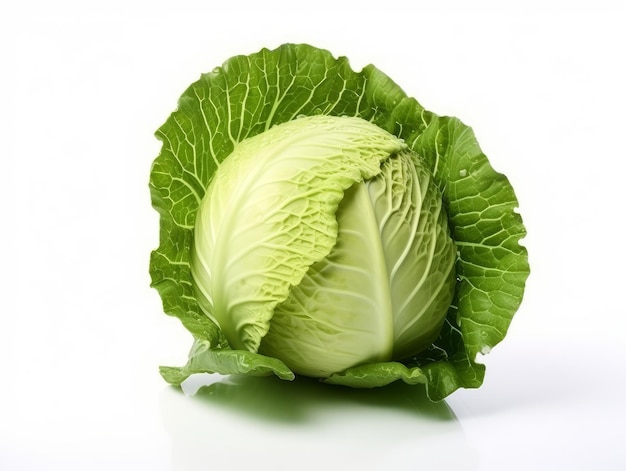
x: 316, y: 221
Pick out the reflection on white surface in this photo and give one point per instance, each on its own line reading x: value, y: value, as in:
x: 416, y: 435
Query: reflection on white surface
x: 265, y: 422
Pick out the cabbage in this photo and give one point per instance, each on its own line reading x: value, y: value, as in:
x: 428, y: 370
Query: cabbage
x: 316, y: 221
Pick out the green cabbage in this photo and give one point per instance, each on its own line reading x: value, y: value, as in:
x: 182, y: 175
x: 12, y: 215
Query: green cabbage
x: 317, y: 221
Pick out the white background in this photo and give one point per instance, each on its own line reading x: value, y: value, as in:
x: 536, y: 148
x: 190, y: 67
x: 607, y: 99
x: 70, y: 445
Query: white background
x: 83, y: 88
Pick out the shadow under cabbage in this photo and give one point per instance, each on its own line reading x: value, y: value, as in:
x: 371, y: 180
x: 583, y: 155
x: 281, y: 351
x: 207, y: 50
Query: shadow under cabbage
x: 270, y: 398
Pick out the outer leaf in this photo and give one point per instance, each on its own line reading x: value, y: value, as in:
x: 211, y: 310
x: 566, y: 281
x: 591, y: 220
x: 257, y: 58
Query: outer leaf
x: 377, y: 374
x: 204, y: 359
x: 171, y: 276
x: 492, y: 266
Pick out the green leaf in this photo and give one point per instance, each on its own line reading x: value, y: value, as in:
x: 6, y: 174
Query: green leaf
x: 205, y: 359
x: 375, y: 375
x: 171, y: 277
x: 492, y: 266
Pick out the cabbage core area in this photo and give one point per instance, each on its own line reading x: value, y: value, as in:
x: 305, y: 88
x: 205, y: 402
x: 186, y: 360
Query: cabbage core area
x: 323, y: 242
